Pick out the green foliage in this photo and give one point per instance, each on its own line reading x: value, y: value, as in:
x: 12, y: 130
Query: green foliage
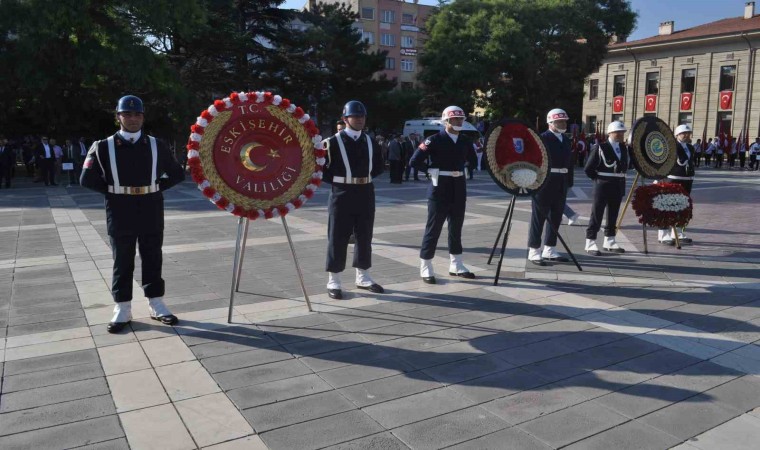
x: 528, y: 56
x: 329, y: 64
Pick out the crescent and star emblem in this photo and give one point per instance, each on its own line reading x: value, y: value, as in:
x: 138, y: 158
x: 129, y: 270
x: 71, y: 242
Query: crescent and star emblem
x: 247, y: 151
x: 725, y: 98
x: 650, y: 101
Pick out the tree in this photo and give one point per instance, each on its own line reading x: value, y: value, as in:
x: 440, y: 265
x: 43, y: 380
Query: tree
x: 329, y: 64
x: 526, y: 56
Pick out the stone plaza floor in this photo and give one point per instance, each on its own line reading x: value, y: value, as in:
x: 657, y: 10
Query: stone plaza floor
x: 637, y: 351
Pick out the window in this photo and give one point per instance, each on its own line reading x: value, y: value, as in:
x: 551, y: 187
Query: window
x: 368, y: 13
x: 617, y: 117
x: 724, y: 122
x: 407, y: 85
x: 407, y: 42
x: 727, y: 77
x: 368, y: 36
x: 388, y: 40
x: 688, y: 80
x: 653, y: 82
x: 390, y: 63
x: 590, y: 124
x: 593, y: 89
x: 407, y: 65
x: 618, y: 87
x: 388, y: 16
x: 407, y: 19
x: 686, y: 118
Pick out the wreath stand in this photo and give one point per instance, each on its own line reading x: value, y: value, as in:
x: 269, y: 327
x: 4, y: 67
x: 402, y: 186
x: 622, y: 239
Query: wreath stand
x: 507, y: 223
x: 237, y: 267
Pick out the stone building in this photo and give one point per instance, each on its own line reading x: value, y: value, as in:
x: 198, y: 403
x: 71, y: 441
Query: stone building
x: 706, y: 76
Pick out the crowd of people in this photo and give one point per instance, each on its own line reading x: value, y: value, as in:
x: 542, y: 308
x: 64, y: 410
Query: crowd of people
x: 44, y: 160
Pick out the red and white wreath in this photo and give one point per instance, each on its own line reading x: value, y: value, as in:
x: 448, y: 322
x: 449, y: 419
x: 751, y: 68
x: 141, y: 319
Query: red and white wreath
x: 264, y: 99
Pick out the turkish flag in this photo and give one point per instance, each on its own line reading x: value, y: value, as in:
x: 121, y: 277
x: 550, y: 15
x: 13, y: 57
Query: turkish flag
x: 617, y: 104
x: 686, y: 98
x: 651, y: 104
x: 726, y: 98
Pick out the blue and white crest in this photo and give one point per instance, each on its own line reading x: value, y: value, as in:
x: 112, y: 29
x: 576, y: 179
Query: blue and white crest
x: 519, y: 147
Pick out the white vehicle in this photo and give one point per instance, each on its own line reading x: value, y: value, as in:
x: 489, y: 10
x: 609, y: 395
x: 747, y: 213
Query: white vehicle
x: 431, y: 125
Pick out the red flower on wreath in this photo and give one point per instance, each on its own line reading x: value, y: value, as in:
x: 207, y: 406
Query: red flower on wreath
x: 662, y: 205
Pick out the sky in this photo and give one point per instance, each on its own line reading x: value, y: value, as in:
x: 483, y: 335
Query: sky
x: 685, y: 13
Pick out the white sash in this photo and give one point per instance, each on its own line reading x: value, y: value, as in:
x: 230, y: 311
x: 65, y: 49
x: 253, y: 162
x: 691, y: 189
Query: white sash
x: 344, y: 156
x: 114, y: 170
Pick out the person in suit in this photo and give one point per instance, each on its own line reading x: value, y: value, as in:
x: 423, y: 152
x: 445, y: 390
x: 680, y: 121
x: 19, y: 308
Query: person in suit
x: 71, y: 156
x: 7, y: 162
x: 132, y: 170
x: 45, y: 159
x: 395, y: 156
x: 607, y: 167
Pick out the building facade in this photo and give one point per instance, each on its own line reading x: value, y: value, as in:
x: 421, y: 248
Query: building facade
x: 396, y: 27
x: 706, y: 76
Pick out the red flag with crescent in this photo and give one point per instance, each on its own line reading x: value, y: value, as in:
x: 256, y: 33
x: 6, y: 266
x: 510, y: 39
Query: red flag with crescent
x: 686, y: 101
x: 617, y: 104
x: 726, y: 99
x: 651, y: 103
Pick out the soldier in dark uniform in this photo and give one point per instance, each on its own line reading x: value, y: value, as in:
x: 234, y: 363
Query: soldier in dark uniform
x: 353, y: 160
x: 132, y: 169
x: 549, y: 202
x: 683, y: 174
x: 448, y: 152
x: 607, y: 167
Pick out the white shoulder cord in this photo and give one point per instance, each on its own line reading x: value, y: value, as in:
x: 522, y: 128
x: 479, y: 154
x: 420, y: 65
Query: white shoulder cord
x: 343, y: 155
x: 154, y: 154
x: 613, y: 166
x: 112, y: 157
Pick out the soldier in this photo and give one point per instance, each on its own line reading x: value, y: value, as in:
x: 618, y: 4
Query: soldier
x: 448, y: 151
x: 132, y: 169
x: 549, y: 202
x: 354, y: 159
x: 607, y: 167
x: 683, y: 174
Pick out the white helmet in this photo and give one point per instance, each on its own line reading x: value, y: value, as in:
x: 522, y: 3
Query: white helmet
x: 615, y: 126
x: 556, y: 114
x: 682, y: 129
x: 452, y: 111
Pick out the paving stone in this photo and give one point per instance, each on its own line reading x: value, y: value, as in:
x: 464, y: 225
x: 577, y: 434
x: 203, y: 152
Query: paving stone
x: 382, y: 441
x: 116, y: 444
x: 319, y: 346
x: 53, y: 394
x: 661, y: 362
x: 572, y: 424
x: 417, y: 407
x: 386, y: 389
x: 212, y: 419
x: 322, y: 432
x: 528, y: 405
x: 234, y: 344
x: 50, y: 377
x: 355, y: 355
x: 690, y: 418
x: 302, y: 409
x: 277, y: 391
x: 531, y: 353
x: 742, y: 393
x: 66, y: 436
x: 451, y: 428
x: 186, y: 380
x: 249, y: 358
x: 264, y: 373
x: 644, y: 398
x: 467, y: 369
x: 355, y: 374
x: 58, y: 414
x: 700, y: 377
x: 741, y: 433
x: 50, y: 362
x: 507, y: 438
x: 499, y: 384
x: 631, y: 435
x: 142, y: 427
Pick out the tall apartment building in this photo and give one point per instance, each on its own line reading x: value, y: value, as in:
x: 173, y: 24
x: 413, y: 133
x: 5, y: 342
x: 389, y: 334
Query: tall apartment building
x: 705, y: 76
x: 395, y: 26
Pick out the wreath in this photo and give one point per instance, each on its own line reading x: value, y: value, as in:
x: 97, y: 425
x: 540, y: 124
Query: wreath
x: 307, y: 150
x: 662, y: 205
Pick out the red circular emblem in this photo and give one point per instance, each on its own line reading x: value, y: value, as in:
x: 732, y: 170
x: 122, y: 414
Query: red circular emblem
x: 255, y: 154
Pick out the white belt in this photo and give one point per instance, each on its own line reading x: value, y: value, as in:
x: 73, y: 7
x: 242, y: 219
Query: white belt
x: 133, y: 190
x: 675, y: 177
x: 447, y: 173
x: 352, y: 180
x: 564, y: 170
x: 608, y: 174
